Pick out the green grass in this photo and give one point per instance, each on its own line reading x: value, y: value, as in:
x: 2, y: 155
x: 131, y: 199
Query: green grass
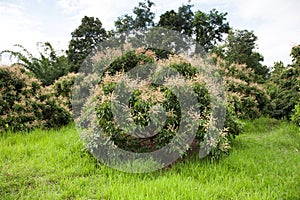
x: 264, y: 163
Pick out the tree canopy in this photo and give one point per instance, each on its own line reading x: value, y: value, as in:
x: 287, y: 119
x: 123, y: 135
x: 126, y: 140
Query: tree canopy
x: 84, y: 39
x: 284, y: 86
x: 240, y: 47
x: 206, y: 28
x: 210, y: 27
x: 143, y: 18
x: 181, y: 21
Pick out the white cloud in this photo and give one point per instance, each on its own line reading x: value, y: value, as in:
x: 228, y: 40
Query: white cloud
x: 15, y: 23
x: 17, y: 27
x: 106, y: 10
x: 275, y: 22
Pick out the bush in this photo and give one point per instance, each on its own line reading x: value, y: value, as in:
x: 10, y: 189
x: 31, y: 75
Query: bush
x: 143, y: 101
x: 284, y: 90
x: 284, y: 87
x: 25, y: 104
x: 247, y: 98
x: 63, y: 88
x: 296, y: 114
x: 19, y: 108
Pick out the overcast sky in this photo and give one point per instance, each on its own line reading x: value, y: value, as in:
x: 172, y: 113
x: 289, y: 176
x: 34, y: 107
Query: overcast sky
x: 26, y: 22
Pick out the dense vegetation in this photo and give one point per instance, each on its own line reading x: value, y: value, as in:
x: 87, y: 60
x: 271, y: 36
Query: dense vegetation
x: 26, y: 104
x: 174, y: 77
x: 37, y: 92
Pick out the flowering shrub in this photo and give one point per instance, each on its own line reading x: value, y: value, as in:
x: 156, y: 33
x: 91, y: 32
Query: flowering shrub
x: 62, y: 88
x: 147, y: 104
x: 247, y: 98
x: 19, y: 108
x: 26, y: 105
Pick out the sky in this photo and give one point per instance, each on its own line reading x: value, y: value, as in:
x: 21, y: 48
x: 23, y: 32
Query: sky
x: 276, y: 23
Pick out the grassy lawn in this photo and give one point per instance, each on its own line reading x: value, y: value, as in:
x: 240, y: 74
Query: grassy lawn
x: 264, y: 164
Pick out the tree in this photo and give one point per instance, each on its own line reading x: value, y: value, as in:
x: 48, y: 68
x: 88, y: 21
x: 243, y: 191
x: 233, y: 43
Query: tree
x: 206, y: 28
x: 295, y: 54
x: 125, y: 23
x: 47, y: 68
x: 240, y: 47
x: 284, y: 86
x: 181, y: 21
x: 210, y: 27
x: 85, y: 39
x: 278, y: 69
x: 143, y: 18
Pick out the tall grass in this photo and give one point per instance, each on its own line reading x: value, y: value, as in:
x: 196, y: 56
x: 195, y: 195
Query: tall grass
x: 264, y: 164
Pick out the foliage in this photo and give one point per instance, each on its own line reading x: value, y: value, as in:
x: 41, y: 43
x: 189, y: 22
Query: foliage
x: 143, y: 18
x: 25, y: 104
x: 247, y: 98
x: 63, y: 87
x: 17, y: 88
x: 295, y: 53
x: 131, y: 59
x: 181, y: 21
x: 84, y: 39
x: 296, y: 114
x: 48, y: 68
x: 239, y: 48
x: 206, y: 28
x: 144, y: 99
x: 284, y: 87
x: 54, y: 109
x: 209, y: 28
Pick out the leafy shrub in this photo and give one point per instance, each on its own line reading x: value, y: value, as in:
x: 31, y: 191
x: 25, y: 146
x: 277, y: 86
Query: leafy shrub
x: 283, y: 88
x: 63, y: 88
x: 25, y: 104
x: 131, y: 59
x: 19, y: 108
x: 296, y: 114
x: 247, y: 98
x: 142, y: 107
